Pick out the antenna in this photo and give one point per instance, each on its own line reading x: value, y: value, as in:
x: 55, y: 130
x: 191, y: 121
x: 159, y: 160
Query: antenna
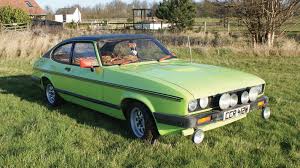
x: 189, y: 43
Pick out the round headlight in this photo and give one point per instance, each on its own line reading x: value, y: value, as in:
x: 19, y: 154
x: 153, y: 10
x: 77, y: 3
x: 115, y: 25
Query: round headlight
x: 253, y: 93
x: 234, y: 100
x: 245, y: 97
x: 260, y: 89
x: 224, y: 102
x: 203, y: 102
x: 193, y: 105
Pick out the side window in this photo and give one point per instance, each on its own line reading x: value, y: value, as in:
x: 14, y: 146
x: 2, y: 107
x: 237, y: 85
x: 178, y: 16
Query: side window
x: 63, y: 53
x: 84, y: 51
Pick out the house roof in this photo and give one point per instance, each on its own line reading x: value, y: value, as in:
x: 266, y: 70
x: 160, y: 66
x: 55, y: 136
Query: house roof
x: 64, y: 11
x: 29, y: 6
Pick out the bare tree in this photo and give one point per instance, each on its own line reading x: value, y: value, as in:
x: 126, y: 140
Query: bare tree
x: 264, y: 18
x: 49, y: 12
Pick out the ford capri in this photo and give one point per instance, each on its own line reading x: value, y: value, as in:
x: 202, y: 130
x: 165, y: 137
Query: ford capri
x: 135, y: 78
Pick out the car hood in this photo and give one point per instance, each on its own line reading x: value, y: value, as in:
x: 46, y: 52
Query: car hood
x: 199, y: 79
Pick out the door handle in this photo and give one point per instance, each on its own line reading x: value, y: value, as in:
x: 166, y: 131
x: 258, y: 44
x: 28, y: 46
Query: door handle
x: 68, y: 69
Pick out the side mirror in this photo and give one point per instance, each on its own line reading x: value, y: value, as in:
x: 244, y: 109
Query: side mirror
x: 86, y: 63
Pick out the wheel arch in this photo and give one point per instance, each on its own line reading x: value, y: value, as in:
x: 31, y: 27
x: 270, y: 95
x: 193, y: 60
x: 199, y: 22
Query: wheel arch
x: 126, y: 101
x: 45, y: 78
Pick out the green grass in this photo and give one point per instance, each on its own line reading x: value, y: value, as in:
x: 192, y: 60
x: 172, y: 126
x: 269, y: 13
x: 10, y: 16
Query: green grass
x: 34, y: 135
x: 292, y: 25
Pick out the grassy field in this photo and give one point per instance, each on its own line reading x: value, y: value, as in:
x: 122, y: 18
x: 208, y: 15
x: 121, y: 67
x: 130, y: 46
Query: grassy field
x: 217, y: 25
x: 34, y: 135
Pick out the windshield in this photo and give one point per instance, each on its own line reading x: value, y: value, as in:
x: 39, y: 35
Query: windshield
x: 119, y: 52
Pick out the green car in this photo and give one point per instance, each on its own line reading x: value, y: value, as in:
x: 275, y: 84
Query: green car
x: 135, y: 78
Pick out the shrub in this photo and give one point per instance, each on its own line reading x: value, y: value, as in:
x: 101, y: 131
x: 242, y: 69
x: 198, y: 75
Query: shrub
x: 13, y: 15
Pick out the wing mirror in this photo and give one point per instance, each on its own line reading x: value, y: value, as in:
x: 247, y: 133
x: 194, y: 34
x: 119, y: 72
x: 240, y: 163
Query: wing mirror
x: 85, y: 63
x: 88, y: 63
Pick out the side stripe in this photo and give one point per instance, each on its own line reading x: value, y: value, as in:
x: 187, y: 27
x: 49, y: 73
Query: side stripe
x: 89, y: 99
x: 175, y: 98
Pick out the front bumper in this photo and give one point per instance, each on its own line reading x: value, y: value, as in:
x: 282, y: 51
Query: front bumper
x: 216, y: 116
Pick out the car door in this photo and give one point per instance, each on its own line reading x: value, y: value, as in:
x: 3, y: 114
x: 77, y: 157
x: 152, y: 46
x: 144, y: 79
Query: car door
x: 86, y: 83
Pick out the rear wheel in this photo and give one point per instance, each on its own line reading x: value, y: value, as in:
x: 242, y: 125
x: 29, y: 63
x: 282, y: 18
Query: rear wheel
x: 141, y: 122
x: 51, y: 96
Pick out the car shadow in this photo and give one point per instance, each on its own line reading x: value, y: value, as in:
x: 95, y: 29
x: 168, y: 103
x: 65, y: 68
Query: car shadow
x: 23, y: 87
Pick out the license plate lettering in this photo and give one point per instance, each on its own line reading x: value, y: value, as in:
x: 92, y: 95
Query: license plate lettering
x: 236, y: 112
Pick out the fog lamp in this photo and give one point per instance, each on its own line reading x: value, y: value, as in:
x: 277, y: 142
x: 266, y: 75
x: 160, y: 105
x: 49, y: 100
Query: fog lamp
x: 266, y: 113
x: 198, y: 136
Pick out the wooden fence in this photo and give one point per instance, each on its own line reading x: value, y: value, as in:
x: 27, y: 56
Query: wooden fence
x: 213, y: 25
x: 15, y: 27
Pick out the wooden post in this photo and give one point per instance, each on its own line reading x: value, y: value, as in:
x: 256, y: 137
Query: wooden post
x: 133, y: 18
x: 228, y: 27
x: 28, y: 27
x: 205, y: 28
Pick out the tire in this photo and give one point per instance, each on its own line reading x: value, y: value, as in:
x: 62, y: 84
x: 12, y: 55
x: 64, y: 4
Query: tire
x: 51, y: 96
x: 141, y: 122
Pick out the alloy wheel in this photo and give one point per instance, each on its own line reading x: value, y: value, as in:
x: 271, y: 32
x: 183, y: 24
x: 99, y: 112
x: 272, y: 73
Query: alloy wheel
x: 50, y: 93
x: 137, y: 122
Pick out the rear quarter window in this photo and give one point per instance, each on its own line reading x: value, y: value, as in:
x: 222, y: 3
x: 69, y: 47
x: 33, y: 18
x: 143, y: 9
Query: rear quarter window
x: 62, y: 54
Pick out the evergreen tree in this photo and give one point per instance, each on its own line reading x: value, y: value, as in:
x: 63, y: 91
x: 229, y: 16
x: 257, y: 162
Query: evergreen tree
x: 180, y: 13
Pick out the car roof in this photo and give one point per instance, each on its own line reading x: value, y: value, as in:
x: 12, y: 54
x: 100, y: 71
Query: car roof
x: 108, y: 37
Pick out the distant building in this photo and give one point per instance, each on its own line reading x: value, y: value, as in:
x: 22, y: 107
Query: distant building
x: 30, y: 6
x: 145, y: 19
x: 68, y: 15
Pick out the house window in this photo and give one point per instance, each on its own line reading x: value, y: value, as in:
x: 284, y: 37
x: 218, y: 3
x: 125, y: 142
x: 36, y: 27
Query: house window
x: 28, y: 4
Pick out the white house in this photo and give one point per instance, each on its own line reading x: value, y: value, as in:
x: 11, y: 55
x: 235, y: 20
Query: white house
x: 68, y: 15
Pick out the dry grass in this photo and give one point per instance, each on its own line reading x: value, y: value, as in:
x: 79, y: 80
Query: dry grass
x: 30, y: 45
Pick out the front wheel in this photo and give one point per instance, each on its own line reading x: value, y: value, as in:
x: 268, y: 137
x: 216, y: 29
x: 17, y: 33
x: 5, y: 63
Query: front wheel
x: 141, y: 122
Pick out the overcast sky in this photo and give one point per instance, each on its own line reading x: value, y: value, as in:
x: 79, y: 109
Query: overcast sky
x: 55, y: 4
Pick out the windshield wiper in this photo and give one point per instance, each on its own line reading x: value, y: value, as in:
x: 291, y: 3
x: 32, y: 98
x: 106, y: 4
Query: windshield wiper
x: 164, y: 58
